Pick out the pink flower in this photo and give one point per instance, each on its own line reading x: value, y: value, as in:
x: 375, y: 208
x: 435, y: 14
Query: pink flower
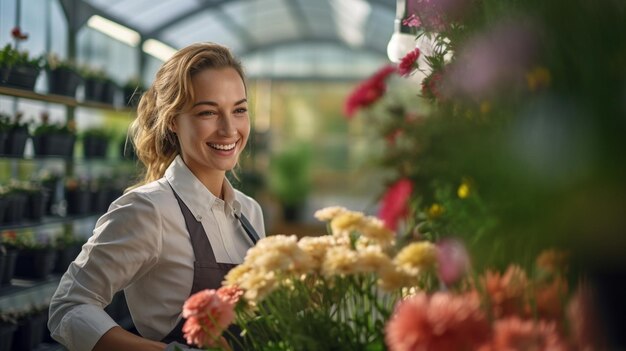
x: 208, y: 313
x: 441, y: 322
x: 395, y: 203
x: 453, y: 260
x: 549, y: 298
x: 516, y: 334
x: 369, y: 91
x: 412, y: 21
x: 408, y: 62
x: 507, y: 292
x: 230, y: 293
x: 491, y: 61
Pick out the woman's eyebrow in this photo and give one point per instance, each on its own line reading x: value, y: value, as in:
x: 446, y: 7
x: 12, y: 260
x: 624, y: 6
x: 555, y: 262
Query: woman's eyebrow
x: 213, y: 103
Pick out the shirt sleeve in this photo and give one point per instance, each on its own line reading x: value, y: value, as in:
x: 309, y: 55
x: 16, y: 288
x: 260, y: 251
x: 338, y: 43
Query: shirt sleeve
x: 125, y: 245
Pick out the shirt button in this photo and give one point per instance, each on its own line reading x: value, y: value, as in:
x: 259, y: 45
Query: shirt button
x: 199, y: 217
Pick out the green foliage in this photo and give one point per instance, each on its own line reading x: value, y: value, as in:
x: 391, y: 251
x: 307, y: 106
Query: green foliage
x: 10, y: 57
x: 289, y: 174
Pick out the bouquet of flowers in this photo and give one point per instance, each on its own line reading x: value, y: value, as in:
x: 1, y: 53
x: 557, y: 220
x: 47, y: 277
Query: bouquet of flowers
x: 358, y: 288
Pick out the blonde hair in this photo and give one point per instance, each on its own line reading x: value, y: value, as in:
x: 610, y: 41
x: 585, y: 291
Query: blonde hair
x: 170, y: 94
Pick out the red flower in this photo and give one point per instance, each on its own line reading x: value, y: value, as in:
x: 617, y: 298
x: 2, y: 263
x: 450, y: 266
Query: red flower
x: 395, y: 203
x: 431, y: 86
x: 412, y: 21
x: 441, y: 322
x: 516, y: 334
x: 208, y: 313
x: 17, y: 34
x: 407, y: 64
x: 369, y: 91
x: 507, y: 292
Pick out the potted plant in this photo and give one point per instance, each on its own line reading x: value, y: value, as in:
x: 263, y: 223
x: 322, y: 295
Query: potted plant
x: 18, y: 69
x: 63, y: 76
x: 31, y: 326
x: 8, y: 325
x: 7, y: 260
x: 78, y: 196
x: 36, y: 198
x: 95, y: 142
x: 15, y: 199
x: 35, y: 256
x: 53, y: 185
x: 54, y: 139
x: 290, y: 179
x: 68, y: 247
x: 15, y: 135
x: 96, y: 84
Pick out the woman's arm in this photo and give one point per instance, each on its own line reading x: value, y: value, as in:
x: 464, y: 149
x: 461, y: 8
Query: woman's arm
x: 121, y: 340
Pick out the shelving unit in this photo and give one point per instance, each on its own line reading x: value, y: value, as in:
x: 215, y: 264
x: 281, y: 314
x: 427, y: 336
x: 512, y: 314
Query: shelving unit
x: 59, y: 99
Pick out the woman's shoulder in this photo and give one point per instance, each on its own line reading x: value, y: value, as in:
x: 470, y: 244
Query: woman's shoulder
x: 245, y: 200
x: 155, y: 192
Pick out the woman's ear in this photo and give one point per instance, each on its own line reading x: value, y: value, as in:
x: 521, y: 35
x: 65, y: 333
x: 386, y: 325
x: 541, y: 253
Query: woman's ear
x: 173, y: 127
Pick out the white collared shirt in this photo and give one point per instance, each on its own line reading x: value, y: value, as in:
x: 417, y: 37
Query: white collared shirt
x: 142, y: 245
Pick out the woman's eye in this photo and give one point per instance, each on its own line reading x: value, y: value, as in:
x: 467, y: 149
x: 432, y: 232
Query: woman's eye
x: 241, y: 110
x: 206, y: 113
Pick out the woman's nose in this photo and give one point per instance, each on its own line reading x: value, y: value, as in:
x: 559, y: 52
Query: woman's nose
x: 226, y: 127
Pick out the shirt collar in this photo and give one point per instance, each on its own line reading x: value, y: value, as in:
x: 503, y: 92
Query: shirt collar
x: 194, y: 194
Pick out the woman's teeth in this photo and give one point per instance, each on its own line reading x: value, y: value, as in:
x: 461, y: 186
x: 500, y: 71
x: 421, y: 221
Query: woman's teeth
x: 223, y: 147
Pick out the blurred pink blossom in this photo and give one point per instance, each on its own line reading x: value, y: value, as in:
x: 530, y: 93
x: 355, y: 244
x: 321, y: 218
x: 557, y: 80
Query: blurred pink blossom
x: 497, y: 58
x: 507, y: 292
x: 453, y: 260
x: 208, y: 314
x: 441, y: 322
x: 435, y: 15
x: 395, y: 203
x: 516, y: 334
x: 586, y: 325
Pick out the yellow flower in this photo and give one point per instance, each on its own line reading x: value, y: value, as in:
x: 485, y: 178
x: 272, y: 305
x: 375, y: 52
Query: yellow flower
x: 329, y: 213
x: 435, y: 211
x: 464, y: 190
x: 279, y: 253
x: 236, y: 274
x: 339, y: 261
x: 371, y: 259
x: 257, y: 284
x: 416, y: 257
x: 538, y: 77
x: 374, y: 229
x: 346, y: 222
x: 316, y: 248
x: 392, y: 277
x: 485, y: 107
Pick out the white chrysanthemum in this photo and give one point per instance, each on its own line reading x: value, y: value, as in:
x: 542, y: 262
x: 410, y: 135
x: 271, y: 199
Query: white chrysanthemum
x: 416, y: 257
x: 328, y: 213
x: 339, y: 260
x: 372, y: 259
x: 235, y: 275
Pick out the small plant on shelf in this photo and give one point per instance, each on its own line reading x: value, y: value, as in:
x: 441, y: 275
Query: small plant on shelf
x: 36, y: 255
x: 54, y: 139
x: 18, y: 69
x: 63, y: 76
x: 95, y: 142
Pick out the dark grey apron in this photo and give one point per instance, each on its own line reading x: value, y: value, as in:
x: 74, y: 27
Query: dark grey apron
x: 207, y: 272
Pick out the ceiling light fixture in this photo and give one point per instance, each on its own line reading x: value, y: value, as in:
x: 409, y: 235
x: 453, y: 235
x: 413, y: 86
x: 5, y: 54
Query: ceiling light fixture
x: 114, y: 30
x: 158, y: 49
x: 401, y: 41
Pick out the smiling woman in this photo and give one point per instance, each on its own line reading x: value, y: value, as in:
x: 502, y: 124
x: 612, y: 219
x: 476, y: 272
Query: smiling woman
x: 179, y: 230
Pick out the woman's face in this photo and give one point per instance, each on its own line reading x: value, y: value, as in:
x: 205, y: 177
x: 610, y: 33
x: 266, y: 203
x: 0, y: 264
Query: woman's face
x: 214, y: 131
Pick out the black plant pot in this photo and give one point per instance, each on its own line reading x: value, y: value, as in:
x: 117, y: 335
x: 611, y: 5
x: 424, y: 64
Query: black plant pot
x: 94, y: 89
x: 16, y: 206
x: 21, y: 77
x: 16, y: 142
x: 95, y: 147
x: 29, y: 333
x: 6, y: 335
x: 8, y: 270
x: 61, y: 145
x: 108, y: 93
x: 36, y: 205
x: 35, y: 263
x: 3, y: 140
x: 65, y: 256
x: 63, y: 81
x: 78, y: 201
x: 99, y: 200
x: 54, y: 188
